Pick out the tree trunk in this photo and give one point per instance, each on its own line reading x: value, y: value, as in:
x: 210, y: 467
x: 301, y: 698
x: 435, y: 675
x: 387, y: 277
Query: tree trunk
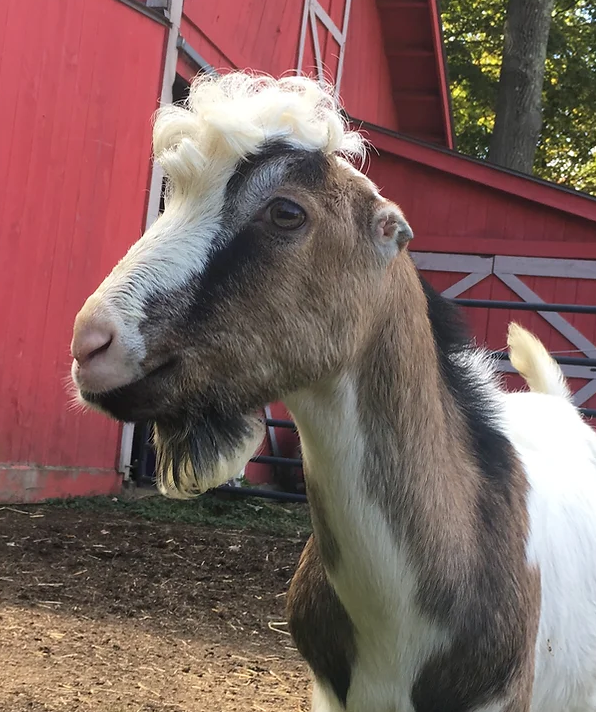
x: 518, y: 117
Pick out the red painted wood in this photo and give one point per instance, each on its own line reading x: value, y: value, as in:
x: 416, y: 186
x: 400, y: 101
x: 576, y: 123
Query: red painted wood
x: 248, y: 33
x: 394, y: 68
x: 74, y: 166
x: 29, y: 484
x: 482, y: 173
x: 484, y: 211
x: 512, y: 246
x: 489, y: 327
x: 264, y: 35
x: 442, y: 80
x: 200, y: 42
x: 411, y: 31
x: 366, y: 83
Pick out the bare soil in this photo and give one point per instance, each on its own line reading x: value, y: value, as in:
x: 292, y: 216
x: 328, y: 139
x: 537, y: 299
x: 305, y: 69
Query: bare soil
x: 105, y: 611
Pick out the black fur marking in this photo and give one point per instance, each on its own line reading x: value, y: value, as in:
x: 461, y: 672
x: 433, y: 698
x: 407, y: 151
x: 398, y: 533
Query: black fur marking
x: 491, y: 448
x: 210, y: 435
x: 306, y: 168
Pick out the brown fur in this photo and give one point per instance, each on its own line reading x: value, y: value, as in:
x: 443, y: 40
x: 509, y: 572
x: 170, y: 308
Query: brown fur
x: 319, y: 623
x: 327, y: 546
x: 471, y: 560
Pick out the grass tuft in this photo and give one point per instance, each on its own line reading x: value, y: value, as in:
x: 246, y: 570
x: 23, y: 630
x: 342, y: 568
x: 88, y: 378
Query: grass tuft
x: 211, y: 510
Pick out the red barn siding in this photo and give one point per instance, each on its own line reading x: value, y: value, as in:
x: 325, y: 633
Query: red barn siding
x: 366, y: 85
x: 413, y: 45
x: 74, y: 166
x: 205, y: 47
x: 245, y: 34
x: 489, y: 326
x: 459, y: 205
x: 265, y: 35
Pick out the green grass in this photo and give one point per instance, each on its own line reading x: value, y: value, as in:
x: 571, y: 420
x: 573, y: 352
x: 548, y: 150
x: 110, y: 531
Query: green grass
x: 213, y: 510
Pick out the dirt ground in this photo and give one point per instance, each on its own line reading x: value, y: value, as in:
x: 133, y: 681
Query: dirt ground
x: 104, y: 611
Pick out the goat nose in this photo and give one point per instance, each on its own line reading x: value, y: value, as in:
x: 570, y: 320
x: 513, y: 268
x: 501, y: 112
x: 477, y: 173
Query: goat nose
x: 90, y: 341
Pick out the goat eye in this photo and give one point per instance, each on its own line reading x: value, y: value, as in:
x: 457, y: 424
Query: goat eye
x: 286, y: 215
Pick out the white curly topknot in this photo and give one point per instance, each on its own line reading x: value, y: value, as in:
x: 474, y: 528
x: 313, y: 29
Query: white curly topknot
x: 229, y: 117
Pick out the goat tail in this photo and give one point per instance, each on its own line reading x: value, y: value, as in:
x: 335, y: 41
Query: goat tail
x: 533, y: 362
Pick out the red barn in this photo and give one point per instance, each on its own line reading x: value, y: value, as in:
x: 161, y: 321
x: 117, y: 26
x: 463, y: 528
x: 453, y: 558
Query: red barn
x: 77, y: 187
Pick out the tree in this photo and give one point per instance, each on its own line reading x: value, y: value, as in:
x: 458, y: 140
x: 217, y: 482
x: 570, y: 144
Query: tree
x: 474, y: 38
x: 518, y: 115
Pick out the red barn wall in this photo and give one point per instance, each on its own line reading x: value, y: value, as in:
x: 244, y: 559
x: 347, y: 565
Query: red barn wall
x: 74, y: 170
x: 460, y: 205
x: 256, y: 34
x: 366, y: 88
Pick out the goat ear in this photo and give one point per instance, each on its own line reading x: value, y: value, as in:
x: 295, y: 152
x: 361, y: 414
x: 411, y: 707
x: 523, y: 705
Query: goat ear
x: 391, y: 230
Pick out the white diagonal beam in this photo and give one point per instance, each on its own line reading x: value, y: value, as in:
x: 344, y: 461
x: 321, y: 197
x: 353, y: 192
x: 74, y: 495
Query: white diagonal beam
x: 303, y: 32
x: 317, y: 46
x: 463, y: 284
x: 447, y: 262
x: 342, y: 47
x: 585, y: 392
x: 327, y: 21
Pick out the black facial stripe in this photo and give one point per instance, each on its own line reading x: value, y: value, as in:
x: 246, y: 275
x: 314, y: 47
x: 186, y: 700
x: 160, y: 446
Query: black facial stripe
x: 229, y: 271
x: 231, y: 262
x: 305, y: 168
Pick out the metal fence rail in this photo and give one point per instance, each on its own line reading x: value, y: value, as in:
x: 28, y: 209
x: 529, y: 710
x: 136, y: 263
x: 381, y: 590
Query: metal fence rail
x: 525, y: 306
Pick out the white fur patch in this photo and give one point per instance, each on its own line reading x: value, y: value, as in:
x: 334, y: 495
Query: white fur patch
x: 374, y: 578
x: 558, y: 450
x: 323, y: 700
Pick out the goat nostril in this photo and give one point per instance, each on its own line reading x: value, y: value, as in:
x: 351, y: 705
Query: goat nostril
x: 90, y: 345
x: 99, y: 350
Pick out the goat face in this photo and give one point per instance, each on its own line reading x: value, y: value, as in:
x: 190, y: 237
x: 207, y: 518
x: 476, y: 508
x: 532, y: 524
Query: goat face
x: 260, y: 278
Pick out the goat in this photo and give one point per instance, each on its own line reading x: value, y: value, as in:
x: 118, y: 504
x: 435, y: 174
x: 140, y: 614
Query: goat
x: 452, y: 564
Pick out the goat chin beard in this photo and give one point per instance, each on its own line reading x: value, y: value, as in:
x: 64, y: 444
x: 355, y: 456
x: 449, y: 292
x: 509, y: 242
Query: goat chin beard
x: 204, y: 455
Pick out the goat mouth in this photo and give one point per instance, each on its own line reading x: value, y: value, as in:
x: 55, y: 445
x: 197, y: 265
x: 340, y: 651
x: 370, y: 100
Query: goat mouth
x: 200, y: 442
x: 142, y: 399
